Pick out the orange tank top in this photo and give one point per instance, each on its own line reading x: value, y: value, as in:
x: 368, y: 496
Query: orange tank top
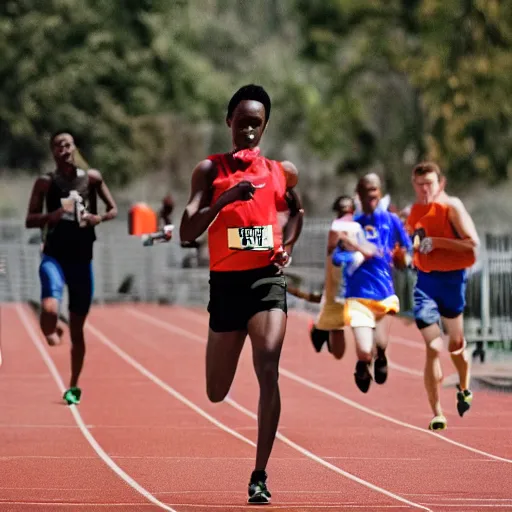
x: 433, y: 219
x: 245, y: 234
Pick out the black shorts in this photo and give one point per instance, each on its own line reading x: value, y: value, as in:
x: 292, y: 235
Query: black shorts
x: 235, y: 297
x: 77, y: 275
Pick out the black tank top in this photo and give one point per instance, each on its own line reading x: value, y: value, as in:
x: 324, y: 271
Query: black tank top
x: 67, y: 241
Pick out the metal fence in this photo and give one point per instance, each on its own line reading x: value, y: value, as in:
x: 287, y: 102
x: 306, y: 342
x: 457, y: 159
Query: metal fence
x: 127, y: 271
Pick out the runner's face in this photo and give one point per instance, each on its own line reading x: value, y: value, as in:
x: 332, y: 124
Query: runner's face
x: 427, y: 187
x: 63, y: 149
x: 247, y: 124
x: 370, y: 195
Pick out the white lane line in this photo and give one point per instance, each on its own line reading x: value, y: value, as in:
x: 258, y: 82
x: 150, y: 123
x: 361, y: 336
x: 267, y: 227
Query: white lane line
x: 104, y: 339
x: 25, y: 319
x: 305, y: 382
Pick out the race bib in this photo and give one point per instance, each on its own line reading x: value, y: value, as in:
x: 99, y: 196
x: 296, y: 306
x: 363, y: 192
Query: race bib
x: 73, y: 207
x: 257, y: 238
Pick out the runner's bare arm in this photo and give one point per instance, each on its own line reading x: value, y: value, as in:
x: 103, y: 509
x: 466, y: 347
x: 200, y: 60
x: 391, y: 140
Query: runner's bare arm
x: 35, y: 216
x: 313, y: 297
x: 104, y: 194
x: 199, y: 214
x: 367, y: 249
x: 332, y: 241
x: 293, y: 227
x: 465, y: 228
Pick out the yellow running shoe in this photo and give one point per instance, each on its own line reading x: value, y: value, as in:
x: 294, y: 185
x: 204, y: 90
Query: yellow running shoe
x: 438, y: 423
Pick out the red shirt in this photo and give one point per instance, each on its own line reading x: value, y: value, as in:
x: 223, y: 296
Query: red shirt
x: 245, y: 234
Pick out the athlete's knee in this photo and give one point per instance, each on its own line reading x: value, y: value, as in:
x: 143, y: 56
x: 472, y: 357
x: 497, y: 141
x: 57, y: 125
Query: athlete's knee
x: 217, y: 386
x: 457, y: 344
x: 434, y: 347
x: 214, y: 396
x: 50, y: 306
x: 215, y: 392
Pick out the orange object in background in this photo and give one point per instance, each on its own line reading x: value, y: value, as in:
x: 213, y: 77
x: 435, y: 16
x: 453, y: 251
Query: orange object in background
x: 142, y: 220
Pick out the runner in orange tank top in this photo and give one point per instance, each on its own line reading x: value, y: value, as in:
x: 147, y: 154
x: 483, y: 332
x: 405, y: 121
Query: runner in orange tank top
x: 445, y: 243
x: 236, y: 197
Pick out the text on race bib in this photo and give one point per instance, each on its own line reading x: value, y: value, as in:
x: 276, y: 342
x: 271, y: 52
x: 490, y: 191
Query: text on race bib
x: 256, y: 238
x: 73, y: 206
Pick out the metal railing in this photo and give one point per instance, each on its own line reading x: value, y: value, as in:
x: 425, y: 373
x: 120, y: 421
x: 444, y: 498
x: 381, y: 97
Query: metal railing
x: 127, y: 271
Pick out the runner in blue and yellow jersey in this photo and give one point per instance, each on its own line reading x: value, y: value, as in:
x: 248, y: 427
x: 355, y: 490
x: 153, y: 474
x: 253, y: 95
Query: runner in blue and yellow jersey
x: 369, y: 292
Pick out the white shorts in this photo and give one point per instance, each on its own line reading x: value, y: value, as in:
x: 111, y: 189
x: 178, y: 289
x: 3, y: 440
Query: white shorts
x: 366, y: 312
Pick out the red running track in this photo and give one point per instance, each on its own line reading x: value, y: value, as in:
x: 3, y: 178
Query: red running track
x: 146, y: 438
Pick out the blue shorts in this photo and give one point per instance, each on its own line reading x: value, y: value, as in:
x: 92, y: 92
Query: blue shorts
x: 77, y: 276
x: 439, y: 294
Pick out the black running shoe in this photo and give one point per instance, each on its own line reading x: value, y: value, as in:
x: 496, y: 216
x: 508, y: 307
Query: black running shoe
x: 258, y: 491
x: 362, y: 376
x: 464, y: 400
x: 318, y: 338
x: 380, y: 367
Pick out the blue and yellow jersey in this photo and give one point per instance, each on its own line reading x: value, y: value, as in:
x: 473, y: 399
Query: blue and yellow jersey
x: 373, y: 279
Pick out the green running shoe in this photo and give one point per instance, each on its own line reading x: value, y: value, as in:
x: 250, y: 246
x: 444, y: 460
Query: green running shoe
x: 259, y: 494
x: 258, y: 491
x: 72, y: 396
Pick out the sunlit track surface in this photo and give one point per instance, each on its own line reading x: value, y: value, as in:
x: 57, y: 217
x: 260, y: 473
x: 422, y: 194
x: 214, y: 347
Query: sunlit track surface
x: 145, y: 436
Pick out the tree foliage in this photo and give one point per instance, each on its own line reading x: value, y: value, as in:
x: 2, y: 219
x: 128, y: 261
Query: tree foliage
x: 357, y: 83
x: 435, y: 71
x: 100, y: 69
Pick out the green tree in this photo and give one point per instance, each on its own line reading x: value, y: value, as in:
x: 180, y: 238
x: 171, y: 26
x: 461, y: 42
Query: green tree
x: 111, y: 72
x: 71, y: 65
x: 436, y: 72
x: 462, y: 67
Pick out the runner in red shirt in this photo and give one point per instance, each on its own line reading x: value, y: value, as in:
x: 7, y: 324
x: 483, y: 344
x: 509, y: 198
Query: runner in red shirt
x: 236, y: 197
